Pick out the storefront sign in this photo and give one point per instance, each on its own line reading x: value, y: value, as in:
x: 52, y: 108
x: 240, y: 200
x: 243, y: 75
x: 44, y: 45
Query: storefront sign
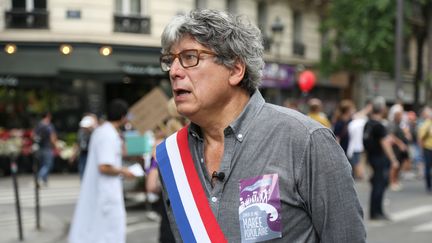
x: 8, y: 81
x: 149, y: 70
x: 278, y: 76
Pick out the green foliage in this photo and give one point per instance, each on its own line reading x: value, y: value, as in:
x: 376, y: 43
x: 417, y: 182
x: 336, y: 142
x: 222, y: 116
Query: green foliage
x: 360, y: 36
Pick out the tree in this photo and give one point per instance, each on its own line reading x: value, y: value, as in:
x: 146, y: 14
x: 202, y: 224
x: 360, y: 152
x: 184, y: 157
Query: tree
x: 359, y: 36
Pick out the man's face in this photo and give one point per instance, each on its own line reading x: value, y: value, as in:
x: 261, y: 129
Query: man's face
x: 202, y: 89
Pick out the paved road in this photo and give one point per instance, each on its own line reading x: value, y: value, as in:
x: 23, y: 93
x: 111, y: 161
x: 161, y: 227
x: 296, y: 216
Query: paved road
x: 410, y: 210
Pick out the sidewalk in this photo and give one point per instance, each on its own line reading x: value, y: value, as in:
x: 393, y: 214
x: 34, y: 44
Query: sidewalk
x: 57, y: 206
x: 53, y: 229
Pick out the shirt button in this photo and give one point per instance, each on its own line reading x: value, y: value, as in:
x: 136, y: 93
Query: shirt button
x: 214, y: 199
x: 240, y: 137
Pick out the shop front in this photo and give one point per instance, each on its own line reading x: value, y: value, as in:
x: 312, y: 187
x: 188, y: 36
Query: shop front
x: 39, y: 77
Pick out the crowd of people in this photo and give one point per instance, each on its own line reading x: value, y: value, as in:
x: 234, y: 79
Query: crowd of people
x: 388, y: 140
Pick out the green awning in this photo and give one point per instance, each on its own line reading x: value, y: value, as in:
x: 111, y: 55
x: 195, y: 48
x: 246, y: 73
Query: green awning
x: 84, y: 62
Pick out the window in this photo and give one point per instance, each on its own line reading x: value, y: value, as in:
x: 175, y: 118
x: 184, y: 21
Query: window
x: 19, y: 4
x: 128, y: 7
x: 27, y: 14
x: 200, y: 4
x: 39, y: 4
x: 29, y: 5
x: 262, y: 23
x: 129, y: 17
x: 135, y: 7
x: 298, y: 46
x: 231, y: 6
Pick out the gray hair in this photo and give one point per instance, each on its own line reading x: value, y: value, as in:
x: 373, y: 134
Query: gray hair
x: 378, y: 104
x: 233, y: 38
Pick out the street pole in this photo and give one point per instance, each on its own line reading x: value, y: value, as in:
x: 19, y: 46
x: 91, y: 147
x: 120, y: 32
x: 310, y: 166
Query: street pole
x: 399, y: 52
x: 14, y: 170
x: 37, y: 186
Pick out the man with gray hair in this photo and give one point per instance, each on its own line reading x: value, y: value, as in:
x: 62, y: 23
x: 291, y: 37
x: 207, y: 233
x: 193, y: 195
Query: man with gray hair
x: 245, y: 170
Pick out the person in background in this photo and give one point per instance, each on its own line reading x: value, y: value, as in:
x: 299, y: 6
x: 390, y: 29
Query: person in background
x: 87, y: 124
x: 342, y: 118
x: 414, y: 148
x: 425, y: 111
x: 400, y: 137
x: 355, y: 144
x: 46, y: 137
x: 425, y: 141
x: 291, y: 103
x: 245, y: 170
x: 378, y: 146
x: 315, y: 112
x: 100, y: 214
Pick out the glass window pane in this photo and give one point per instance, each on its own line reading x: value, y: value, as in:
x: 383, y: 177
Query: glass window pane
x: 200, y: 4
x: 135, y: 7
x: 297, y: 26
x: 18, y: 4
x: 231, y: 6
x: 40, y: 4
x: 118, y: 6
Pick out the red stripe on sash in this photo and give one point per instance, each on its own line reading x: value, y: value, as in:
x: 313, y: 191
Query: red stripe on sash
x: 213, y: 229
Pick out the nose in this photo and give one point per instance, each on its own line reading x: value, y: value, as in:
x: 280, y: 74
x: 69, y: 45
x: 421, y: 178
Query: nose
x: 176, y: 68
x: 175, y: 63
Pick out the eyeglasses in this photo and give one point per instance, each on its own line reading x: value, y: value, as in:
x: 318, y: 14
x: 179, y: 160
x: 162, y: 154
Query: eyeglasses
x: 188, y: 58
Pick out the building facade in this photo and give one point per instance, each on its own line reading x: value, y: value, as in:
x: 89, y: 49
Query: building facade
x: 71, y: 57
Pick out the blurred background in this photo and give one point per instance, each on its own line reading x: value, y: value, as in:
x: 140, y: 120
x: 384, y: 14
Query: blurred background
x: 73, y: 57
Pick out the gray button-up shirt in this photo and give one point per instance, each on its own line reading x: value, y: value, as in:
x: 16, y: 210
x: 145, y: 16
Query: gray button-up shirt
x: 317, y: 195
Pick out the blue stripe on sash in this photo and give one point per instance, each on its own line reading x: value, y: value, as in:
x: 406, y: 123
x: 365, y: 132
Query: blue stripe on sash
x: 182, y: 221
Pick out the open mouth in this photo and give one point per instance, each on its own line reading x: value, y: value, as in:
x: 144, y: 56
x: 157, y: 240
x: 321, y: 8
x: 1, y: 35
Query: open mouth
x: 180, y: 92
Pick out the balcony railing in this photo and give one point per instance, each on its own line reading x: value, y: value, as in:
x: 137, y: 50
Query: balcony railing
x: 21, y: 19
x: 132, y: 24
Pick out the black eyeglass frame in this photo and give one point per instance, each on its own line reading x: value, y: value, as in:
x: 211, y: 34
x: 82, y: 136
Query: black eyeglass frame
x: 167, y: 67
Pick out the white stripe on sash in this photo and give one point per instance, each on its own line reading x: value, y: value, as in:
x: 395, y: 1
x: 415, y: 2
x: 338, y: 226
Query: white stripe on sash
x: 185, y: 192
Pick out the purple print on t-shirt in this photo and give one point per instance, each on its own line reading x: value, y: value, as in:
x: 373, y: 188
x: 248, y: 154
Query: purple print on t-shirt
x: 259, y: 210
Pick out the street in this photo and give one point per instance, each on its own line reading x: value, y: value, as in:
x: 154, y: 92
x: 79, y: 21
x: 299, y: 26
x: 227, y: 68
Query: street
x: 409, y: 209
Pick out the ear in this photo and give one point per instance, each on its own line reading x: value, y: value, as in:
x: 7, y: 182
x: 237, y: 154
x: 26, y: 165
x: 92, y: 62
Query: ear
x: 237, y: 73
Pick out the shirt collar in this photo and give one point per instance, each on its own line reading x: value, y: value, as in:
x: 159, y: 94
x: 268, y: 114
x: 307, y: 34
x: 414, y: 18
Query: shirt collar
x: 240, y: 125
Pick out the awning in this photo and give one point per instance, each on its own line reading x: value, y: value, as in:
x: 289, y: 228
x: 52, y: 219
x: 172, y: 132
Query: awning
x: 84, y: 62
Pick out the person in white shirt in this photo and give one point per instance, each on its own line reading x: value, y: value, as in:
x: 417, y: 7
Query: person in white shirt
x: 355, y: 144
x: 100, y: 214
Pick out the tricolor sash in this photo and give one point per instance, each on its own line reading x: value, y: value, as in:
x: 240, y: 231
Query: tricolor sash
x: 192, y: 212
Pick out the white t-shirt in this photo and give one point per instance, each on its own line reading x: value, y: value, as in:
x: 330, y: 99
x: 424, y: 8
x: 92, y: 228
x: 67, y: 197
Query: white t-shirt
x: 100, y: 215
x: 355, y: 131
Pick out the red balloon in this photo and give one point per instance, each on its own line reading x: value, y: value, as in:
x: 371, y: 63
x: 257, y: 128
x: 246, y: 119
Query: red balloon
x: 306, y: 81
